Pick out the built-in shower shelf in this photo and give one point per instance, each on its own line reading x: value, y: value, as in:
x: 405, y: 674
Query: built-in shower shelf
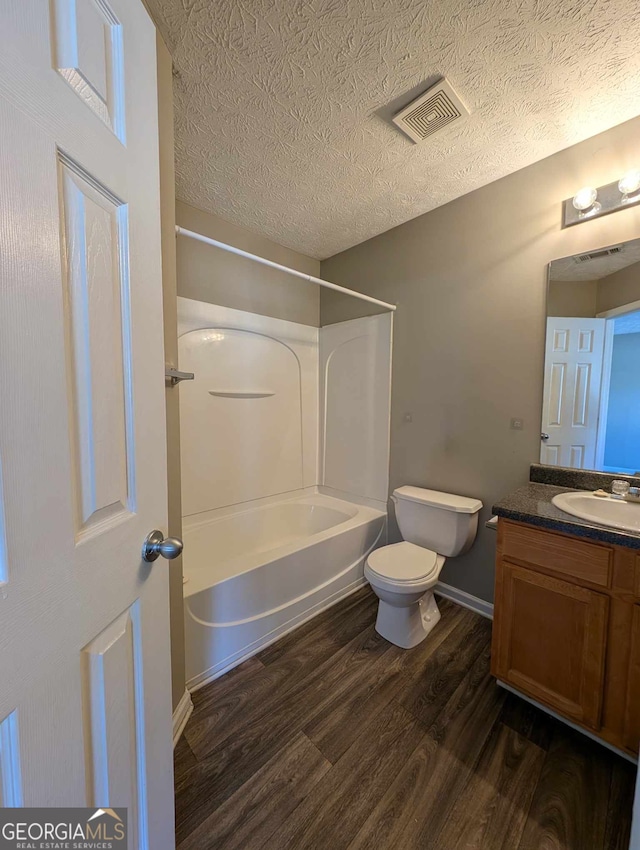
x: 242, y: 393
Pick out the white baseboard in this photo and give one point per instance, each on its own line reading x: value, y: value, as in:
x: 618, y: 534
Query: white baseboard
x: 480, y: 606
x: 181, y: 715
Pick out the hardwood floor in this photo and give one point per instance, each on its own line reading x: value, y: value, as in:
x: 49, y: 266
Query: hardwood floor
x: 334, y: 738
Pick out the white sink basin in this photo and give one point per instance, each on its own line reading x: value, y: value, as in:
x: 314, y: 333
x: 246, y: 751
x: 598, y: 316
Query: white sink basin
x: 615, y: 513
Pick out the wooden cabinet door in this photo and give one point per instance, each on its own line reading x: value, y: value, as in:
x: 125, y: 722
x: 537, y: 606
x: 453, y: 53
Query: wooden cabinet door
x: 632, y: 706
x: 549, y: 641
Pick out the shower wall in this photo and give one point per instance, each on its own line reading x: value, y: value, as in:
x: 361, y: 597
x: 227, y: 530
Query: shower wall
x: 279, y: 406
x: 355, y: 385
x: 249, y: 420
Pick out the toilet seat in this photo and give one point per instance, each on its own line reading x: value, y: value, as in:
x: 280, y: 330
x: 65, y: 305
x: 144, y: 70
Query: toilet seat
x: 404, y: 565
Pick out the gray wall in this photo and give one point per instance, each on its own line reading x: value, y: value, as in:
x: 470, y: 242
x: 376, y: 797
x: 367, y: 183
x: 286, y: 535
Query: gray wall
x: 572, y: 298
x: 618, y: 289
x: 210, y: 274
x: 470, y: 282
x: 587, y: 298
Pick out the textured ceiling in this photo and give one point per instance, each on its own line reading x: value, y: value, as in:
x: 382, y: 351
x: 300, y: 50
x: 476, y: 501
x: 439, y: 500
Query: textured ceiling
x: 282, y: 106
x: 568, y: 269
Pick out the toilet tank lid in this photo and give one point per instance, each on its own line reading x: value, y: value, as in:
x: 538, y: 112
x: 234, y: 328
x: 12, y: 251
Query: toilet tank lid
x: 446, y: 501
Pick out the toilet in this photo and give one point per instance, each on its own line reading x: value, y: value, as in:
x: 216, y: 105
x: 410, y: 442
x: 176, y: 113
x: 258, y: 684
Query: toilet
x: 435, y: 526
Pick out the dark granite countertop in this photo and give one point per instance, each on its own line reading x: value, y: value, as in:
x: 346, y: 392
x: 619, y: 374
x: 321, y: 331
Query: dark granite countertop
x: 532, y: 504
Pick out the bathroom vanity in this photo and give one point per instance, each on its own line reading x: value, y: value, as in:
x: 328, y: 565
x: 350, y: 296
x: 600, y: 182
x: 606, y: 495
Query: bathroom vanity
x: 566, y: 630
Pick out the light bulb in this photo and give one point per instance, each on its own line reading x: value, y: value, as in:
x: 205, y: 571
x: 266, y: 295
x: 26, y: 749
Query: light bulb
x: 585, y: 198
x: 630, y: 183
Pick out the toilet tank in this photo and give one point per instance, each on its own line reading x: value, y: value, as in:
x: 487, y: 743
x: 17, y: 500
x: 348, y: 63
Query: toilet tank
x: 445, y: 523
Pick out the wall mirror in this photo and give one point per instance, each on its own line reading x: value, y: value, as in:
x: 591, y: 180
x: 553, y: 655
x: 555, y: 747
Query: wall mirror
x: 591, y: 403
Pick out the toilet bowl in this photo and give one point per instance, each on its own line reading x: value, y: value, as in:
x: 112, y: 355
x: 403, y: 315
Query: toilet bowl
x: 402, y: 574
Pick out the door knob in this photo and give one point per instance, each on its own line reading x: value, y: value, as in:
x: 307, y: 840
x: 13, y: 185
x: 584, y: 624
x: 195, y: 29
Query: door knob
x: 544, y: 436
x: 157, y: 544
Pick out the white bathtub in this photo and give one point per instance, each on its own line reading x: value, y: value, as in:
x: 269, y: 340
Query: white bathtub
x: 253, y: 574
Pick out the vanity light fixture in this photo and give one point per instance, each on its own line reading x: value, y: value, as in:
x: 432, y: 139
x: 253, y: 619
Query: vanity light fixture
x: 585, y: 201
x: 589, y: 202
x: 629, y: 185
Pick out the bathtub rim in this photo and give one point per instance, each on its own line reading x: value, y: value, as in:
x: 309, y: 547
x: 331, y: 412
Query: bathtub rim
x: 190, y: 521
x: 360, y: 515
x: 291, y: 603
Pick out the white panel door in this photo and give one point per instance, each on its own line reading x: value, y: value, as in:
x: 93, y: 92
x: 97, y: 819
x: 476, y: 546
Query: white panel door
x: 85, y: 714
x: 572, y: 380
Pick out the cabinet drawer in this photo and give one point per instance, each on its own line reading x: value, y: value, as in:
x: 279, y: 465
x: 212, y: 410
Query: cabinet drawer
x: 568, y: 556
x: 637, y: 575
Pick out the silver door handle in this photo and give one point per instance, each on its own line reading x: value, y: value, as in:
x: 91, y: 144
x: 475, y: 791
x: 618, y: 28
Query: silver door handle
x: 544, y: 436
x: 157, y: 544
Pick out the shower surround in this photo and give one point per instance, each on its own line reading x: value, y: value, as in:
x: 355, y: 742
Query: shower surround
x: 284, y: 452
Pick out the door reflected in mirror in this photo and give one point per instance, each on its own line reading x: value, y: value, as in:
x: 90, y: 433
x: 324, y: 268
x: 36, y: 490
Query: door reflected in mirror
x: 591, y: 403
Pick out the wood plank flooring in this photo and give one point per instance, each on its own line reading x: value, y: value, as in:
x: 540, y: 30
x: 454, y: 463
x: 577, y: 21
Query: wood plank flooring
x: 334, y: 738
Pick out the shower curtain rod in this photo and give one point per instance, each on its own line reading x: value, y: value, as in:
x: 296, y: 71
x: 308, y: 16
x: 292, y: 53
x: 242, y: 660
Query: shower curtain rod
x: 181, y: 231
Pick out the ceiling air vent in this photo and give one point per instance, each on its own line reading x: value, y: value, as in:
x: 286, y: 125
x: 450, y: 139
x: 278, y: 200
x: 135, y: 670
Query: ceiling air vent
x: 597, y: 255
x: 438, y: 107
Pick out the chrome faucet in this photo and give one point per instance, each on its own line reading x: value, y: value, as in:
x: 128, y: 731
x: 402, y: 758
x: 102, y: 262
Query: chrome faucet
x: 619, y: 488
x: 624, y: 491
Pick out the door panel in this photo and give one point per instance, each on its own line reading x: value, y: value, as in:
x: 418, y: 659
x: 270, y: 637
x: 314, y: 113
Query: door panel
x: 553, y: 405
x: 550, y: 641
x: 88, y: 54
x: 96, y: 297
x: 112, y: 693
x: 572, y: 379
x: 84, y: 632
